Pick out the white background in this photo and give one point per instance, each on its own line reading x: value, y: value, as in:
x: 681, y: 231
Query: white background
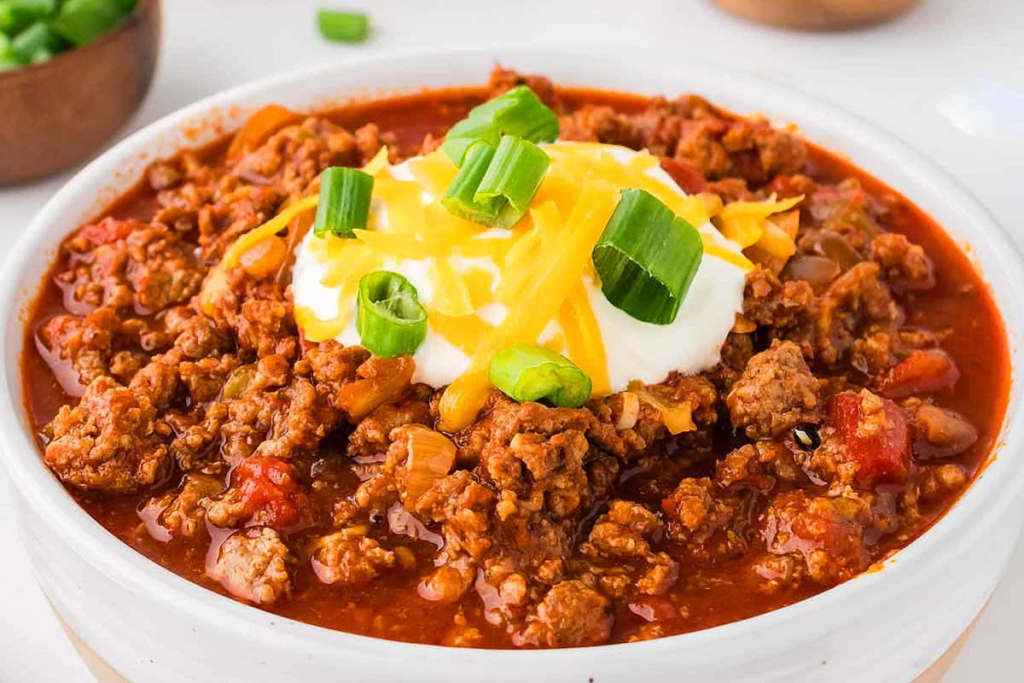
x: 902, y: 76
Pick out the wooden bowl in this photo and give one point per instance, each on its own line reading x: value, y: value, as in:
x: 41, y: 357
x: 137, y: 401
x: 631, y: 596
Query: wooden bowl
x: 817, y: 14
x: 54, y: 114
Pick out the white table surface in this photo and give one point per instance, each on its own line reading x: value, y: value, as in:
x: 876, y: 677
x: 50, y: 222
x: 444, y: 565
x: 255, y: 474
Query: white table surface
x: 897, y: 75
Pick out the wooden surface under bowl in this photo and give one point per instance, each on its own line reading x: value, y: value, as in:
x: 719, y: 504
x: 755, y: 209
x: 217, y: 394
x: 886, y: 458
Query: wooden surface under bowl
x: 57, y: 113
x: 817, y: 14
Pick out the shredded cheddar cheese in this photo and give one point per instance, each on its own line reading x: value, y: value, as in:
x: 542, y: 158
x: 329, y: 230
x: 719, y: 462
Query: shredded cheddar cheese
x: 540, y: 271
x: 745, y: 222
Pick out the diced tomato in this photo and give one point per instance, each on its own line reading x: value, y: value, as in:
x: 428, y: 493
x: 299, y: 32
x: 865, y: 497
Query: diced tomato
x: 875, y: 435
x: 922, y: 371
x: 685, y: 175
x: 270, y: 490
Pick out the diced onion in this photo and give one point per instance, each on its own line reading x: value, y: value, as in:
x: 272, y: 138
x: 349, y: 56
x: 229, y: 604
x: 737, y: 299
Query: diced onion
x: 630, y: 410
x: 431, y: 457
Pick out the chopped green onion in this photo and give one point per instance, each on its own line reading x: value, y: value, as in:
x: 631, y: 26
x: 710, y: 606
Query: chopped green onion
x: 495, y: 187
x: 34, y: 39
x: 389, y: 317
x: 82, y: 21
x: 533, y: 373
x: 344, y: 206
x: 646, y: 258
x: 517, y: 112
x: 459, y: 199
x: 514, y: 175
x: 343, y: 27
x: 15, y: 15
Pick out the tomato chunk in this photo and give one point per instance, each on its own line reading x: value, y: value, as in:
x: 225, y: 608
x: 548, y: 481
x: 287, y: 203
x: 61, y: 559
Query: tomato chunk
x: 685, y: 175
x: 270, y: 491
x: 873, y: 433
x: 922, y: 371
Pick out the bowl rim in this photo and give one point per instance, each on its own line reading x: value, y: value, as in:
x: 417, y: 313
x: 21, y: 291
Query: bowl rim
x: 992, y: 490
x: 128, y: 22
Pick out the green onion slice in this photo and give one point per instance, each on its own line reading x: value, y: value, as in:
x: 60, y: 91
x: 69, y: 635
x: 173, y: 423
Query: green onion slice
x: 517, y: 112
x: 82, y: 21
x: 389, y: 317
x: 343, y: 27
x: 647, y: 258
x: 344, y: 206
x: 532, y: 373
x: 494, y: 187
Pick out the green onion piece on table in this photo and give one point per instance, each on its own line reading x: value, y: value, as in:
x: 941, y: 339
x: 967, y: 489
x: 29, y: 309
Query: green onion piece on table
x: 82, y: 21
x: 343, y: 27
x: 647, y: 258
x: 517, y: 112
x: 533, y: 373
x: 494, y: 187
x: 344, y: 206
x: 389, y: 317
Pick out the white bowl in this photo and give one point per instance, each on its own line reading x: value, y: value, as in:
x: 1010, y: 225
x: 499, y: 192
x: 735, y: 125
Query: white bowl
x: 151, y: 625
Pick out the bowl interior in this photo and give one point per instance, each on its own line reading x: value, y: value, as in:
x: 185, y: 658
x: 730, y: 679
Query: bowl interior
x: 918, y: 179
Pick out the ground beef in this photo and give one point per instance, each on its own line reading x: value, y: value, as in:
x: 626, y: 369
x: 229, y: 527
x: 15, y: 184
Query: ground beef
x: 619, y: 540
x: 348, y: 557
x: 775, y: 393
x: 254, y: 565
x: 694, y: 133
x: 130, y: 264
x: 181, y: 513
x: 570, y: 615
x: 766, y: 301
x: 857, y: 297
x: 903, y: 262
x: 111, y: 441
x: 463, y: 505
x: 696, y: 511
x: 86, y: 344
x: 819, y: 537
x: 371, y: 435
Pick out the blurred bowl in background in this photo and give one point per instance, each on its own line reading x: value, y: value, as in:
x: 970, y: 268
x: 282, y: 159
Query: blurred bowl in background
x: 818, y: 14
x: 55, y: 114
